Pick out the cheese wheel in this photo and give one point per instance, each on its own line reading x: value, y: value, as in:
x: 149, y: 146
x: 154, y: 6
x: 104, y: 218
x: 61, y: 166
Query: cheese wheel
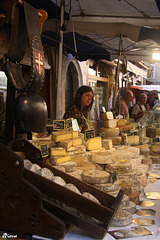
x: 59, y: 159
x: 45, y: 172
x: 110, y: 132
x: 119, y: 167
x: 110, y: 123
x: 59, y: 181
x: 107, y: 115
x: 90, y: 196
x: 96, y: 176
x: 69, y: 166
x: 101, y: 158
x: 122, y: 218
x: 73, y: 188
x: 77, y: 174
x: 130, y: 208
x: 107, y: 187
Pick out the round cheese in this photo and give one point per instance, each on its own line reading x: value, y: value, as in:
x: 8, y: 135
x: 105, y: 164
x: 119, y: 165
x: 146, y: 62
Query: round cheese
x: 122, y: 218
x: 110, y: 132
x: 90, y: 196
x: 69, y: 166
x: 96, y: 176
x: 130, y: 208
x: 111, y: 123
x: 102, y: 158
x: 107, y: 187
x: 45, y: 172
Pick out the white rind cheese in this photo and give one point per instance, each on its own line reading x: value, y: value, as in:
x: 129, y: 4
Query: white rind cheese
x: 122, y: 218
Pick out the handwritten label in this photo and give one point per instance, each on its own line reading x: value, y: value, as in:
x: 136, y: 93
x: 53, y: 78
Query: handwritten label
x: 102, y: 135
x: 89, y: 134
x: 58, y: 125
x: 114, y: 176
x: 44, y: 150
x: 69, y: 123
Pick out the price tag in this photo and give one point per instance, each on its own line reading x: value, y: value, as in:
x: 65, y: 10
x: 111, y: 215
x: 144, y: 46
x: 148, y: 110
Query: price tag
x: 58, y: 125
x: 44, y: 150
x: 102, y: 135
x: 69, y: 123
x: 89, y: 134
x: 114, y: 176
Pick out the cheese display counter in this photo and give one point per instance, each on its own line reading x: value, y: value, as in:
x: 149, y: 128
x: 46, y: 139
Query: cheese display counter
x: 76, y: 234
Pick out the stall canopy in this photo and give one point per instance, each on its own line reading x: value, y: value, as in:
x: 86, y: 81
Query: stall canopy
x: 94, y: 29
x: 151, y: 89
x: 103, y: 22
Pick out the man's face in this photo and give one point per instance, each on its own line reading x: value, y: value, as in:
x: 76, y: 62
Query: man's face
x: 143, y: 99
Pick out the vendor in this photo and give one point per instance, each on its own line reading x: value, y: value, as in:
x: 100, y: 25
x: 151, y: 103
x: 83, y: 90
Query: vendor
x: 122, y: 104
x: 81, y: 107
x: 139, y: 109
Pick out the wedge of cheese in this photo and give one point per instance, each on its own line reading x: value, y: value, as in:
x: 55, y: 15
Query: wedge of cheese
x: 61, y: 136
x: 94, y: 143
x: 107, y: 115
x: 110, y: 123
x: 107, y: 144
x: 75, y: 134
x: 115, y: 140
x: 57, y: 151
x: 60, y: 159
x: 77, y: 141
x: 133, y: 140
x: 67, y: 144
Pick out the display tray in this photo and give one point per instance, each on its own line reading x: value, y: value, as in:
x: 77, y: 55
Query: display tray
x: 38, y: 203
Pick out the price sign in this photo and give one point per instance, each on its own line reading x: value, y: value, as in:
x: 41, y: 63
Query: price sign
x: 89, y: 134
x: 114, y: 176
x: 69, y: 123
x: 58, y: 125
x: 44, y: 150
x: 102, y: 135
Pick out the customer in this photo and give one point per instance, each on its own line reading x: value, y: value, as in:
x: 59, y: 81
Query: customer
x: 139, y: 109
x: 122, y: 104
x: 81, y: 107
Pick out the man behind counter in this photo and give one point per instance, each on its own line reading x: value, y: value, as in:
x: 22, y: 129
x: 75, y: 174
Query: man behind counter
x: 81, y: 107
x: 139, y: 109
x: 122, y: 104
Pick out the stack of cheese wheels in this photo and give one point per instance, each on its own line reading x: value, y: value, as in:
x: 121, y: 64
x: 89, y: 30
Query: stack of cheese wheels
x: 110, y: 129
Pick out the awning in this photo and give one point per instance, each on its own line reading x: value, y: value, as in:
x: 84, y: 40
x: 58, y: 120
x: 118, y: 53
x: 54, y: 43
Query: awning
x: 147, y: 88
x: 136, y: 70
